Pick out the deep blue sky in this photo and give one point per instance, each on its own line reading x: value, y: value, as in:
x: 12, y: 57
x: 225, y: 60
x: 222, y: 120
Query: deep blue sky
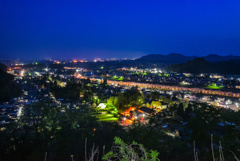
x: 118, y: 28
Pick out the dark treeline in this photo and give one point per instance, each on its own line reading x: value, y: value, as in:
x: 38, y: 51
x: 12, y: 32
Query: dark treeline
x: 72, y: 90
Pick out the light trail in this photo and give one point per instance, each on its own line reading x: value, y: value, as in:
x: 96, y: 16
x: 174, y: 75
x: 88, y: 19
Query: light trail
x: 171, y: 88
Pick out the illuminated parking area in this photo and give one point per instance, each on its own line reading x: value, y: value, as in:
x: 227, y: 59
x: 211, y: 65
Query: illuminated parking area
x: 107, y: 117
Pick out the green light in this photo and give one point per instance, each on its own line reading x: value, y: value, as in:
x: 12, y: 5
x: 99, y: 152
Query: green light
x: 214, y: 86
x: 121, y: 78
x: 115, y: 77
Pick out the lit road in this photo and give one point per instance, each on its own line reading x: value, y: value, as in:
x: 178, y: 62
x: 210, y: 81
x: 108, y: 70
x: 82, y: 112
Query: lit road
x: 171, y: 88
x: 19, y: 113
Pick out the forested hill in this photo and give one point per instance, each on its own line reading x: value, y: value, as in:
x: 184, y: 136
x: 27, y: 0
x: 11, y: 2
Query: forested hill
x: 166, y: 59
x: 179, y: 58
x: 200, y: 65
x: 3, y: 68
x: 8, y: 88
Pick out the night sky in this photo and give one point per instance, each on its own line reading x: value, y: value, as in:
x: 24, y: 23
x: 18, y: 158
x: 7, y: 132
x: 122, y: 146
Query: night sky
x: 118, y: 28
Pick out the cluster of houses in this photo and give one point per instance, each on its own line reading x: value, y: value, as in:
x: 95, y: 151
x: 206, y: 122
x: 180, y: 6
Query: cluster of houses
x: 8, y: 113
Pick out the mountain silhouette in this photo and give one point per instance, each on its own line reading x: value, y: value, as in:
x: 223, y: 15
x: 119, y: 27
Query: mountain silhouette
x: 172, y: 58
x: 200, y: 65
x: 175, y: 58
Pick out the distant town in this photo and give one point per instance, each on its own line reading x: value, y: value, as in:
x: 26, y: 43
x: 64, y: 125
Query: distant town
x: 180, y: 107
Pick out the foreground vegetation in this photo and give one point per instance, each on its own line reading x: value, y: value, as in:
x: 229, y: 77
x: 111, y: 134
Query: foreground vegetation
x: 46, y: 131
